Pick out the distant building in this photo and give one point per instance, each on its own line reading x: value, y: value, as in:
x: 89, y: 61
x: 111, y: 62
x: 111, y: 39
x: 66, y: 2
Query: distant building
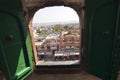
x: 59, y: 43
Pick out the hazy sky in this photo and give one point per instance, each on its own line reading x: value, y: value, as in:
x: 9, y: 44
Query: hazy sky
x: 55, y: 14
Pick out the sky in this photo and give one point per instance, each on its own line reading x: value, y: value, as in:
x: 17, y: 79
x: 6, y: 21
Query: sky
x: 55, y: 14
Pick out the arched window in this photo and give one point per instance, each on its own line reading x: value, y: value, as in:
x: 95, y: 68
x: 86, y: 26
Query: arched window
x: 51, y: 24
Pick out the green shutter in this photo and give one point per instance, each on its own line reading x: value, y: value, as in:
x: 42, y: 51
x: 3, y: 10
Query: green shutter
x: 15, y: 45
x: 101, y: 17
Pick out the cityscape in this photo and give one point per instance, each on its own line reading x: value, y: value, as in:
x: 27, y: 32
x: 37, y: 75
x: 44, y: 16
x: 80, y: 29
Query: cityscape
x: 57, y: 44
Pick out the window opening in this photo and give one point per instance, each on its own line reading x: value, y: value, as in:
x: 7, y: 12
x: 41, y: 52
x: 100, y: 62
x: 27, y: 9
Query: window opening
x: 56, y: 32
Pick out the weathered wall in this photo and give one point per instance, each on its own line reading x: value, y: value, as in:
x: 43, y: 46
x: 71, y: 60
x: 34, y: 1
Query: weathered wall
x: 31, y: 6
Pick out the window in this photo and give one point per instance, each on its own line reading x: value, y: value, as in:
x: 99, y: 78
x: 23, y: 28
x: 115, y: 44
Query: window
x: 56, y: 32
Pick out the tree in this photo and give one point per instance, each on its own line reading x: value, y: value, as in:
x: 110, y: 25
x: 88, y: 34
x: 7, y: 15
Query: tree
x: 42, y: 32
x: 57, y: 28
x: 66, y: 28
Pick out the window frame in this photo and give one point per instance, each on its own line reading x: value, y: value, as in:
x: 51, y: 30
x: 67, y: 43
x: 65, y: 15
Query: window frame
x: 81, y: 14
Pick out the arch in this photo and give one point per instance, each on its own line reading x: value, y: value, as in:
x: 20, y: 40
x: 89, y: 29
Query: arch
x: 31, y: 6
x: 33, y: 42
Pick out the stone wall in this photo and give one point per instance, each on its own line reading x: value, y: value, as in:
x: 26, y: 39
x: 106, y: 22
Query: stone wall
x: 31, y: 6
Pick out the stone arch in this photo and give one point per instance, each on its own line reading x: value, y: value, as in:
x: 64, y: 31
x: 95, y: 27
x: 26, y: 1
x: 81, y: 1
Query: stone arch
x: 31, y: 6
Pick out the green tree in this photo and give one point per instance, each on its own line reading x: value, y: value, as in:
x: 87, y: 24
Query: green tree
x: 42, y: 32
x: 57, y: 28
x: 66, y: 28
